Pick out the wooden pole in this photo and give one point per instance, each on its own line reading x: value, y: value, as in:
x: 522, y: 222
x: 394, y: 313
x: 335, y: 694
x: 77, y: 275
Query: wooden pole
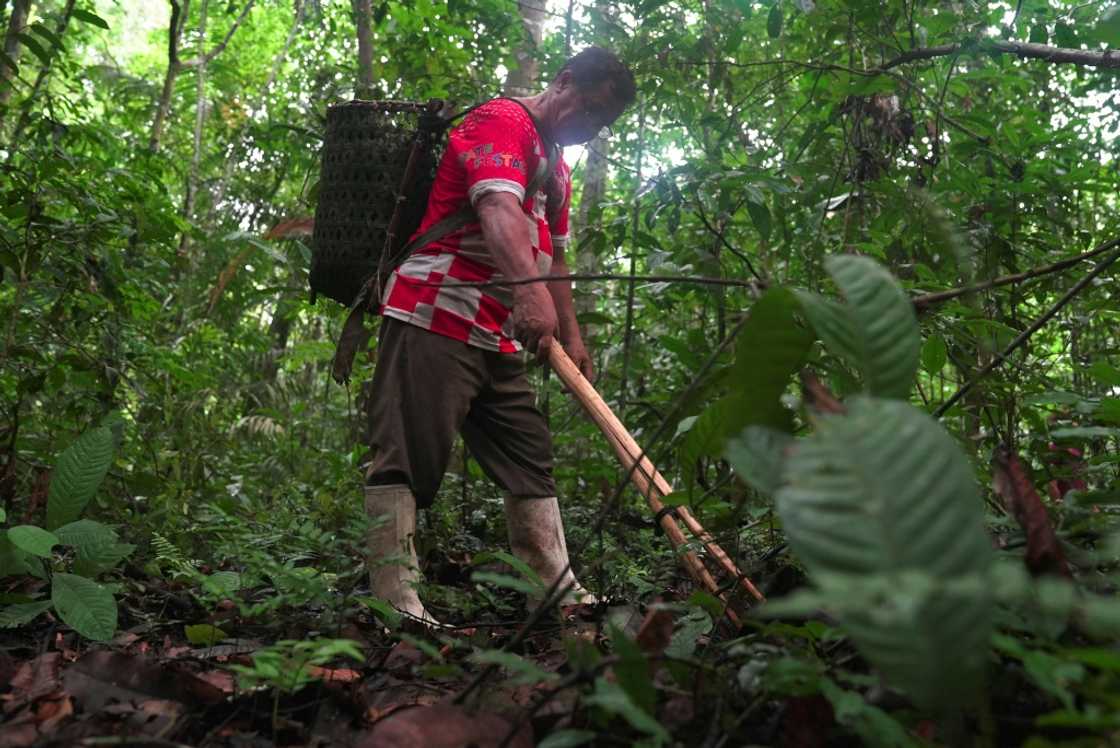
x: 645, y: 476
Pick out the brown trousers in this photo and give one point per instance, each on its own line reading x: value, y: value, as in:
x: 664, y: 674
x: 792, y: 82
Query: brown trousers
x: 427, y: 388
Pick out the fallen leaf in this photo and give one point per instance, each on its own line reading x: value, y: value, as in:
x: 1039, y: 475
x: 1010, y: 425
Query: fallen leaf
x: 656, y: 631
x: 445, y: 726
x: 341, y: 675
x: 1013, y: 484
x: 33, y: 679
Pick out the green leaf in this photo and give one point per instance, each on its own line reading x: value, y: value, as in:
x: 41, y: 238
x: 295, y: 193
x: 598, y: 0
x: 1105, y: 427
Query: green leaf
x: 612, y: 698
x: 774, y: 21
x: 203, y: 634
x: 1105, y: 374
x: 876, y: 331
x: 525, y: 671
x: 22, y: 614
x: 883, y: 319
x: 33, y: 540
x: 757, y: 455
x: 222, y: 583
x: 96, y: 558
x: 760, y: 217
x: 85, y: 605
x: 883, y: 509
x: 78, y: 475
x: 934, y: 354
x: 1107, y: 29
x: 90, y: 18
x: 384, y: 611
x: 632, y: 671
x: 872, y: 724
x: 8, y: 62
x: 1085, y: 432
x: 41, y: 29
x: 85, y: 532
x: 35, y: 48
x: 516, y: 584
x: 770, y: 348
x: 16, y: 561
x: 567, y: 739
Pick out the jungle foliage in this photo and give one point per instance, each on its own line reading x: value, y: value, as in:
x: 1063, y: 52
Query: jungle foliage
x: 849, y: 273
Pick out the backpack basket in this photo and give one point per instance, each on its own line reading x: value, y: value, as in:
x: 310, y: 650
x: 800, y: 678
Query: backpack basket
x: 378, y: 164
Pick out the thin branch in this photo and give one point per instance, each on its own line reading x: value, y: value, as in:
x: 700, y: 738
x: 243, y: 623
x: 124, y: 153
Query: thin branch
x: 698, y: 280
x: 926, y: 300
x: 723, y: 240
x: 207, y: 57
x: 1108, y: 58
x: 1037, y: 325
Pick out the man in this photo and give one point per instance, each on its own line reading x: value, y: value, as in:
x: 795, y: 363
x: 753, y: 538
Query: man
x: 449, y: 356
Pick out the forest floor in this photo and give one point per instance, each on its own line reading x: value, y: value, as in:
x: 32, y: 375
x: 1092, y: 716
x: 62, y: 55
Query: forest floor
x: 151, y: 686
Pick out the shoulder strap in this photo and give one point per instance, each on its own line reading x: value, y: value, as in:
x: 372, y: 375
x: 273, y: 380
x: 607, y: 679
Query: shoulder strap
x: 467, y: 215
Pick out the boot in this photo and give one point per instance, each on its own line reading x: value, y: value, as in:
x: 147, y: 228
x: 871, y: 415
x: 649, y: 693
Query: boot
x: 536, y: 536
x: 393, y: 571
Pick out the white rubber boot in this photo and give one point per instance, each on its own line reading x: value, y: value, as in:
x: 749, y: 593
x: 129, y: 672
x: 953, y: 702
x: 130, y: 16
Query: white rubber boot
x: 393, y: 570
x: 536, y: 536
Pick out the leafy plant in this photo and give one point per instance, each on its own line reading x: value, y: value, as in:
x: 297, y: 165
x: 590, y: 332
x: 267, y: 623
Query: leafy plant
x: 79, y: 600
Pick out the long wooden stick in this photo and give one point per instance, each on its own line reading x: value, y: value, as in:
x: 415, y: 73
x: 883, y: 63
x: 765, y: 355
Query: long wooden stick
x: 645, y: 476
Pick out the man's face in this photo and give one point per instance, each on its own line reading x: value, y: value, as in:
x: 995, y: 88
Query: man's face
x: 583, y: 111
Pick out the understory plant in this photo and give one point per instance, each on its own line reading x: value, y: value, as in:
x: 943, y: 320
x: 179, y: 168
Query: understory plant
x: 68, y: 553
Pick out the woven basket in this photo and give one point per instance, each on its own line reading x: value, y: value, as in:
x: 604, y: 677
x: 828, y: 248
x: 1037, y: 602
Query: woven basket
x: 365, y: 162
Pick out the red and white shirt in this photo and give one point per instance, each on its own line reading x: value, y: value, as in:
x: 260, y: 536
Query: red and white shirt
x: 496, y: 149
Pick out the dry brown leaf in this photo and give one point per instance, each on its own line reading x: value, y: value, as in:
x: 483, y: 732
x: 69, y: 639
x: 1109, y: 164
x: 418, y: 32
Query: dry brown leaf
x: 444, y: 726
x: 1013, y: 484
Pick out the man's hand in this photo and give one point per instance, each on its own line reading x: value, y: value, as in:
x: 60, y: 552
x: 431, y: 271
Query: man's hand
x: 577, y: 352
x: 535, y: 323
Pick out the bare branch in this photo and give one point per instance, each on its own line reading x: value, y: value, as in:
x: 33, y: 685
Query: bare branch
x: 1025, y: 335
x: 1108, y: 58
x: 208, y: 56
x: 921, y: 302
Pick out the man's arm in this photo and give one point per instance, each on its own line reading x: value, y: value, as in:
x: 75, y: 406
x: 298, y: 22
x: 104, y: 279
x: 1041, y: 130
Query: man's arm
x: 570, y: 337
x: 506, y: 233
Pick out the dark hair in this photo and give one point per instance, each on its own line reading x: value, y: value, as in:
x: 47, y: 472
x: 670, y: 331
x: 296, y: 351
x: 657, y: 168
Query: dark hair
x: 596, y: 65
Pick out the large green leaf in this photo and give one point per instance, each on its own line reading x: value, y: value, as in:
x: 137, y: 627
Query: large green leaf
x: 85, y: 532
x: 22, y: 614
x: 97, y: 544
x: 882, y: 508
x: 757, y: 455
x: 85, y: 605
x: 78, y: 474
x: 771, y: 346
x: 876, y: 331
x: 14, y: 560
x: 33, y: 540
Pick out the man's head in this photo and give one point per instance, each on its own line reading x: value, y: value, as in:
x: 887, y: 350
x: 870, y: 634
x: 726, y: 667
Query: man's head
x: 589, y: 93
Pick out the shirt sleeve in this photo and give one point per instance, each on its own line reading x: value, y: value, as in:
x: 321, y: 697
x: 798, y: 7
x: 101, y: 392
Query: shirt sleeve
x: 496, y: 151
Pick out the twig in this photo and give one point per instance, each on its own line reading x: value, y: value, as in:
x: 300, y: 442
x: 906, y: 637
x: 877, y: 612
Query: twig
x: 1026, y: 334
x: 208, y: 57
x: 1108, y: 58
x: 698, y: 280
x: 928, y: 299
x: 723, y: 240
x: 819, y: 396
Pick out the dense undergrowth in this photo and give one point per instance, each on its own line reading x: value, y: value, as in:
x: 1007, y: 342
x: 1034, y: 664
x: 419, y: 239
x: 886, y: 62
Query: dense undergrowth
x: 923, y: 483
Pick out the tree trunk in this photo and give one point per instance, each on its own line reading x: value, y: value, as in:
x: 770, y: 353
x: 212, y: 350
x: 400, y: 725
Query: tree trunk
x: 199, y: 121
x: 363, y: 15
x: 175, y: 30
x: 522, y: 81
x: 40, y: 80
x: 16, y: 25
x: 588, y: 215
